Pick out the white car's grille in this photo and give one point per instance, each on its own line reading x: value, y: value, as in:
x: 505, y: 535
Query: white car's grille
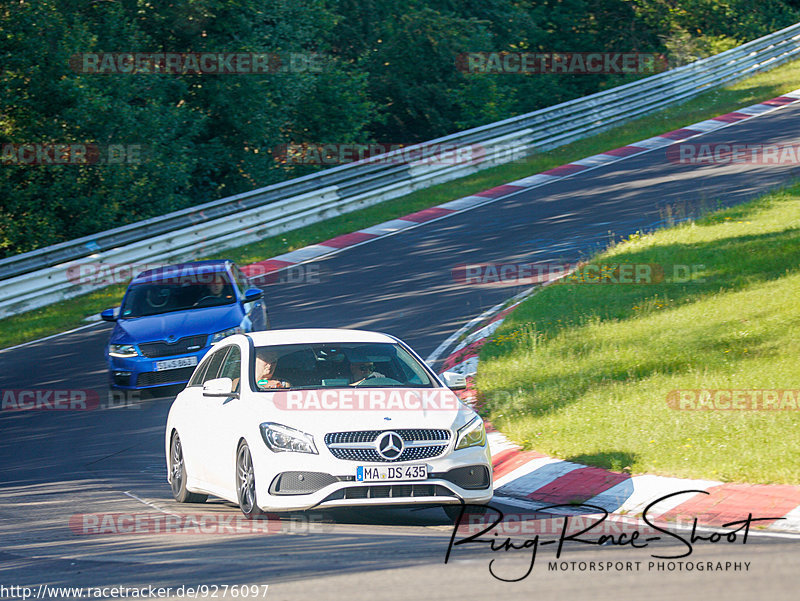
x: 419, y: 443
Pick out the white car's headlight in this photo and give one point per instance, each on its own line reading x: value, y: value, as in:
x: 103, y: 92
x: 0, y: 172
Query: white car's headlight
x: 122, y: 350
x: 281, y: 438
x: 472, y: 435
x: 225, y: 333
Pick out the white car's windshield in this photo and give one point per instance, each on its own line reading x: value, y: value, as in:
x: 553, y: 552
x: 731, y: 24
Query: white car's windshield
x: 327, y: 365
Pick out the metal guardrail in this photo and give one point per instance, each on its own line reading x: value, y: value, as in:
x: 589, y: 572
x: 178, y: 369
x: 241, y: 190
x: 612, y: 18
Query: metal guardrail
x: 40, y: 277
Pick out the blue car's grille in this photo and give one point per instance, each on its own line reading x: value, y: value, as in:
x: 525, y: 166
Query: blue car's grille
x: 170, y: 376
x: 188, y: 344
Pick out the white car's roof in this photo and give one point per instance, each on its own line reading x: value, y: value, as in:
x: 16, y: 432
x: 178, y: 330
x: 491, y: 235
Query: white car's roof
x: 325, y: 335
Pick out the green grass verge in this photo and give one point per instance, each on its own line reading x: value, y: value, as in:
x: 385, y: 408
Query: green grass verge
x: 785, y: 78
x: 582, y: 371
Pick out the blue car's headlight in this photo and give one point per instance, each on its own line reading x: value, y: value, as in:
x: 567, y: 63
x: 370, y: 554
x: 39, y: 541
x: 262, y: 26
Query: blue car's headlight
x: 472, y: 435
x: 122, y: 350
x: 225, y: 333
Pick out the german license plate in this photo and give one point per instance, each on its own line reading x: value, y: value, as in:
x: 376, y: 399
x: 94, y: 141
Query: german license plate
x: 176, y: 363
x: 391, y: 473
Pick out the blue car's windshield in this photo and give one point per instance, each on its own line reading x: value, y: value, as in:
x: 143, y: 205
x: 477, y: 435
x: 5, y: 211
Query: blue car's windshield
x: 153, y: 298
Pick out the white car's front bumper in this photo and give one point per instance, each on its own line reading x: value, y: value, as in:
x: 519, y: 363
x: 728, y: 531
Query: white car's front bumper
x: 346, y: 491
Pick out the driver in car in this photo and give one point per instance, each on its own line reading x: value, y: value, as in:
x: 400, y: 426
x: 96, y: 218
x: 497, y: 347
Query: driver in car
x: 361, y: 368
x: 266, y: 360
x: 216, y: 288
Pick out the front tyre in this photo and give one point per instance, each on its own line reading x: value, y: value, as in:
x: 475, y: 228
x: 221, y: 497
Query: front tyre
x: 177, y: 470
x: 246, y: 482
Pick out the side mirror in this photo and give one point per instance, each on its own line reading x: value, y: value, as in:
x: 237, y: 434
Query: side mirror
x: 253, y: 294
x: 219, y: 387
x: 454, y: 380
x: 109, y: 315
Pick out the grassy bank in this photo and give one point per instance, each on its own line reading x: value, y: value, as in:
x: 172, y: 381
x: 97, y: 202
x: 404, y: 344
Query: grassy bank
x: 584, y: 371
x: 761, y: 87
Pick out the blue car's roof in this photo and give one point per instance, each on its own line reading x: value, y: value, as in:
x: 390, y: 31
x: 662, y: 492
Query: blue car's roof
x: 179, y: 270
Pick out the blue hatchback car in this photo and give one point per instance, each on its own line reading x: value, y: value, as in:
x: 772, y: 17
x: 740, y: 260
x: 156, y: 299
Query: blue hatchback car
x: 171, y: 316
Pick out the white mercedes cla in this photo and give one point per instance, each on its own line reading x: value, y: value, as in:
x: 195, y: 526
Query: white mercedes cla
x: 287, y: 420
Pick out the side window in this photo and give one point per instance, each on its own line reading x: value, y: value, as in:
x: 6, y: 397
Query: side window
x: 231, y: 367
x: 214, y: 364
x: 199, y: 375
x: 197, y: 378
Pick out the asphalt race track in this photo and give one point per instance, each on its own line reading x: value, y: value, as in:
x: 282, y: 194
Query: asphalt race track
x: 58, y: 465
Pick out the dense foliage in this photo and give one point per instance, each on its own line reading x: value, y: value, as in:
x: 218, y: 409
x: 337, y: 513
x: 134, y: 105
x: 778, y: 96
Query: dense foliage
x: 388, y: 75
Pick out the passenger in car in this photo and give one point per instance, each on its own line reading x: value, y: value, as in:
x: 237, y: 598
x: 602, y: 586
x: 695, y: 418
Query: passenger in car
x: 266, y: 361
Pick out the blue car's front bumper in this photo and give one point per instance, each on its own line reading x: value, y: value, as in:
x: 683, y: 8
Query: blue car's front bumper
x: 137, y: 373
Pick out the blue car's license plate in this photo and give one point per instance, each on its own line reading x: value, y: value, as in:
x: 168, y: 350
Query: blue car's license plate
x: 176, y: 363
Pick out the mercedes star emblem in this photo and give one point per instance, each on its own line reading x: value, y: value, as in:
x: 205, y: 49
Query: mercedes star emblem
x: 389, y: 445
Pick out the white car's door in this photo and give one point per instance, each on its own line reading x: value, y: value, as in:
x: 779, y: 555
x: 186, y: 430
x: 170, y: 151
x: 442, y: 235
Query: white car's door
x: 194, y: 419
x: 223, y: 430
x: 188, y: 424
